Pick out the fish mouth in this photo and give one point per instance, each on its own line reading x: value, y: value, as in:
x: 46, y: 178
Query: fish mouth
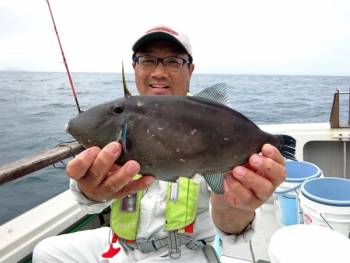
x: 84, y: 140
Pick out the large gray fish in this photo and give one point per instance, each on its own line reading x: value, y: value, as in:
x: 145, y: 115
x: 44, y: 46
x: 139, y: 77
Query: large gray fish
x: 173, y: 136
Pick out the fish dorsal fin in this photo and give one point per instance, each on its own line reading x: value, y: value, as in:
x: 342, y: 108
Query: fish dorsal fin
x: 217, y: 93
x: 127, y: 92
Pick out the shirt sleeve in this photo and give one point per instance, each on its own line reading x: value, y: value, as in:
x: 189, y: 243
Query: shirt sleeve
x: 88, y: 205
x: 231, y: 239
x: 244, y: 237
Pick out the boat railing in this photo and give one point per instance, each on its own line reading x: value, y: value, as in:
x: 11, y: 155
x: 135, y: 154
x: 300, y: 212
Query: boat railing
x: 335, y: 119
x: 27, y: 165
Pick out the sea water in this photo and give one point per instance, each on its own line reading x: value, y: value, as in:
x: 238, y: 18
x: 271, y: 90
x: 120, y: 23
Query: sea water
x: 34, y: 108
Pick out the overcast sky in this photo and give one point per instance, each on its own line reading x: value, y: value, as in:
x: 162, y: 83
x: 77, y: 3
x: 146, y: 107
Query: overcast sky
x: 309, y: 37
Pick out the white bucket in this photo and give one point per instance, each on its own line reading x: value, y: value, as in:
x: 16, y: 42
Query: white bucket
x: 286, y: 203
x: 326, y: 202
x: 308, y: 244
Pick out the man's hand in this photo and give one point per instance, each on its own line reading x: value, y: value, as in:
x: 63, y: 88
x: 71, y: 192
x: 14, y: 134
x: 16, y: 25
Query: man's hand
x: 100, y: 179
x: 247, y: 188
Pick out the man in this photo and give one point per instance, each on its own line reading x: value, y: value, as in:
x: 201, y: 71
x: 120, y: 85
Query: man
x: 162, y: 62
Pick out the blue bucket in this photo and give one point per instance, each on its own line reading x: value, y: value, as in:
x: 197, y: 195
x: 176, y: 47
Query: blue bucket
x: 326, y: 202
x: 288, y: 209
x: 328, y: 191
x: 297, y: 173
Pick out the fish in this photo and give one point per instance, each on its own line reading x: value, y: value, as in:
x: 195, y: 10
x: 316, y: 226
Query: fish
x: 178, y: 136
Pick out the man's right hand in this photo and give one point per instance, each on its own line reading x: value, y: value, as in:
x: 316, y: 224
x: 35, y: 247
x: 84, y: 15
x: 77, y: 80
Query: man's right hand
x: 100, y: 178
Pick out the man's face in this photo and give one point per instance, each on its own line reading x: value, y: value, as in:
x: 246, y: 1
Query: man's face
x: 160, y: 81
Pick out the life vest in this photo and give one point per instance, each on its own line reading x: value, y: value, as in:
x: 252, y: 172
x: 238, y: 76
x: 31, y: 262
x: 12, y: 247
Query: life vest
x: 180, y: 210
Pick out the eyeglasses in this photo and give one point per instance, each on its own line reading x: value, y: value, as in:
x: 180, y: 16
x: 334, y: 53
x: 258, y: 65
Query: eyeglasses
x: 170, y: 63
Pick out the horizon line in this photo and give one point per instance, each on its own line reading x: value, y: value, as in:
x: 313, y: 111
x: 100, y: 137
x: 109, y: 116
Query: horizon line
x: 195, y: 73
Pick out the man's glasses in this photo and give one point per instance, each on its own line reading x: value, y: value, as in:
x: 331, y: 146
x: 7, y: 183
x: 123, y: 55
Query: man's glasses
x: 170, y: 63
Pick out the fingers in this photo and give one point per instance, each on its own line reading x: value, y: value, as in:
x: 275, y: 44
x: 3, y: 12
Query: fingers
x: 259, y: 186
x: 103, y: 163
x: 273, y: 153
x: 78, y: 167
x: 100, y: 178
x: 117, y: 180
x: 120, y: 183
x: 238, y: 195
x: 269, y: 165
x: 135, y: 186
x: 258, y: 180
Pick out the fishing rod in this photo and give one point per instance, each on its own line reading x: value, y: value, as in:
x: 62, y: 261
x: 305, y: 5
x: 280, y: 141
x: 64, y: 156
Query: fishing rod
x: 64, y: 60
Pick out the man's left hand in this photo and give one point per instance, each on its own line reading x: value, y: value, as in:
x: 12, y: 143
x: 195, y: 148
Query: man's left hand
x: 246, y: 188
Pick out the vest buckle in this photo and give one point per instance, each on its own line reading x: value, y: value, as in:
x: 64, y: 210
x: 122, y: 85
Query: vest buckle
x: 146, y: 245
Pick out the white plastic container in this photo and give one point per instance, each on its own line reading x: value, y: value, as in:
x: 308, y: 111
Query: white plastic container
x: 326, y: 202
x: 308, y: 244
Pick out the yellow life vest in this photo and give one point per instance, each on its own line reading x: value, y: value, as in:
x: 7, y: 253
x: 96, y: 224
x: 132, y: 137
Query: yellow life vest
x: 179, y: 212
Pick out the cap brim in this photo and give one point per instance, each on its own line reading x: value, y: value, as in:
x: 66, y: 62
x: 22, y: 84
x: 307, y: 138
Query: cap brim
x: 156, y: 36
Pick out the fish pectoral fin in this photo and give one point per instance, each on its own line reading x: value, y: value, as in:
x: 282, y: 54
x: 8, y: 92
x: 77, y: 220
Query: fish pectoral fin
x: 122, y: 136
x: 215, y: 181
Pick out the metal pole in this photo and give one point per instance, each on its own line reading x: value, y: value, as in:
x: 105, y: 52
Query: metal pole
x: 349, y: 107
x: 344, y: 160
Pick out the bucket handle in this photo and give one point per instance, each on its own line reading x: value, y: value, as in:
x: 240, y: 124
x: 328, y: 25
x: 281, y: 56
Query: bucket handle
x: 324, y: 219
x: 281, y: 192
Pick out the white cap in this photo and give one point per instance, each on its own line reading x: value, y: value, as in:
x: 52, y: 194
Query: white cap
x: 167, y: 33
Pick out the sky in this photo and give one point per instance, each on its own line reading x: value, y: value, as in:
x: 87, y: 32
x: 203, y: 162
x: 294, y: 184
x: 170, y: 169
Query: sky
x: 296, y: 37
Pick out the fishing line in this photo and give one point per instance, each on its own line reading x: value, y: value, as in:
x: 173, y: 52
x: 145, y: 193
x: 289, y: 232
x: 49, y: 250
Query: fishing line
x: 64, y: 60
x: 63, y: 164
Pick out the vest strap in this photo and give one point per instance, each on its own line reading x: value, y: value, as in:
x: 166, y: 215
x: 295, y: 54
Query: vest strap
x: 173, y: 241
x: 174, y: 245
x: 153, y: 244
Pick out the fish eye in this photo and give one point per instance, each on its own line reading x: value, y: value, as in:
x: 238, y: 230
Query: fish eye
x: 118, y: 109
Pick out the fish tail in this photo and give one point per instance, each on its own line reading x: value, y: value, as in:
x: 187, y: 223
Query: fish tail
x: 287, y: 146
